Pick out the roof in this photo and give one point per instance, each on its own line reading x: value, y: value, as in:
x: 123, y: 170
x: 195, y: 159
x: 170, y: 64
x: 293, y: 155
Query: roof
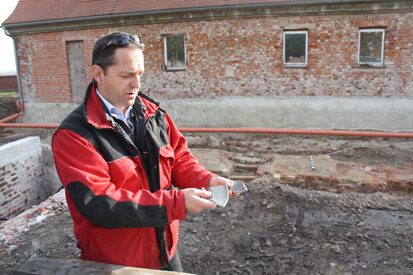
x: 43, y: 10
x: 8, y: 73
x: 40, y: 16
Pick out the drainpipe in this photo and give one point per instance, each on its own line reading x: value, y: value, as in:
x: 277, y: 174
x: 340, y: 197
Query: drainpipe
x: 20, y: 102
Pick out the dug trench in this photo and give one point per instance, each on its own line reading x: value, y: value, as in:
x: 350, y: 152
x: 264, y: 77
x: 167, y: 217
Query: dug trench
x: 273, y: 228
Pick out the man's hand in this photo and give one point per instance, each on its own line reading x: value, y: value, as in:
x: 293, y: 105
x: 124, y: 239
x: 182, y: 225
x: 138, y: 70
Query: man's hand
x: 215, y: 181
x: 195, y: 199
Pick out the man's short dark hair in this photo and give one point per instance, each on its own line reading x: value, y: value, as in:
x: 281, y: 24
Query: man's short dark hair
x: 105, y: 58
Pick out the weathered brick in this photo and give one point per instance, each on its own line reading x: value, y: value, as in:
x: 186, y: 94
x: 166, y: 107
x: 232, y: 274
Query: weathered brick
x: 231, y: 57
x: 2, y: 184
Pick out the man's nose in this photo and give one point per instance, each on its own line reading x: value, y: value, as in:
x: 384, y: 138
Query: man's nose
x: 136, y: 82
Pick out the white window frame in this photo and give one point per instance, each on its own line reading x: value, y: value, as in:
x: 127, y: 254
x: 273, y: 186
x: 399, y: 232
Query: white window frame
x: 381, y: 63
x: 166, y: 54
x: 306, y: 49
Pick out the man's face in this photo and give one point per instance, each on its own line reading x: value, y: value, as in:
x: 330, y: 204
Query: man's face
x: 121, y: 83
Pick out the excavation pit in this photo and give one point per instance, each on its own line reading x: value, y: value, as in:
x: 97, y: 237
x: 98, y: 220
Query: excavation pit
x: 274, y: 228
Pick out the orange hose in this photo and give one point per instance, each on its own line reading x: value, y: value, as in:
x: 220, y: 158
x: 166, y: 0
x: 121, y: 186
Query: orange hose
x: 20, y: 105
x: 249, y: 130
x: 29, y: 125
x: 299, y: 132
x: 229, y: 130
x: 9, y: 118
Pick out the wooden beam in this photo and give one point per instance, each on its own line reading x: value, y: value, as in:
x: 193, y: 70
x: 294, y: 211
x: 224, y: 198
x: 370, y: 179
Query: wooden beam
x: 53, y: 265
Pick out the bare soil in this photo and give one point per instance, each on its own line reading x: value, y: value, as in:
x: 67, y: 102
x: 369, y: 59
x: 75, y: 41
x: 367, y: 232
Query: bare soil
x: 272, y: 228
x: 8, y: 106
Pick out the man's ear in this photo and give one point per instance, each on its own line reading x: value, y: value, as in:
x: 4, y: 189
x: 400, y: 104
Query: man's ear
x: 98, y: 73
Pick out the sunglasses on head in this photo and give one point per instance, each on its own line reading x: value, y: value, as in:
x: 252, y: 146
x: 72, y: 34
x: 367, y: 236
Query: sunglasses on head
x: 119, y: 41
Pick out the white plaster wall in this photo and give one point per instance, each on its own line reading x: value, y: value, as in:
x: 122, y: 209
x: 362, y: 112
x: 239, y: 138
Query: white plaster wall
x: 46, y: 112
x: 308, y: 113
x: 344, y: 113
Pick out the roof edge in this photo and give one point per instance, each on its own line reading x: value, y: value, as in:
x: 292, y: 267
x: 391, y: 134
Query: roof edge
x: 315, y: 7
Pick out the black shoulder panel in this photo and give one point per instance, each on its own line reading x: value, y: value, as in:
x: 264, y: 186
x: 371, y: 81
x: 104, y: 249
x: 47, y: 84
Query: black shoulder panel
x: 107, y: 212
x: 148, y: 98
x: 106, y: 141
x: 75, y: 122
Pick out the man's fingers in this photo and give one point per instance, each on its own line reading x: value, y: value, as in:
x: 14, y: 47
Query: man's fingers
x: 221, y: 181
x: 196, y: 199
x: 203, y: 203
x: 203, y: 193
x: 198, y: 204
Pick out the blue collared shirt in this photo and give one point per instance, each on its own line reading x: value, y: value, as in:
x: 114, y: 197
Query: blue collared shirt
x: 114, y: 111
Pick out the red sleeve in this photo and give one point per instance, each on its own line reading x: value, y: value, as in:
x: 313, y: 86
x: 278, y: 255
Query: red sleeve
x: 187, y: 171
x: 86, y: 176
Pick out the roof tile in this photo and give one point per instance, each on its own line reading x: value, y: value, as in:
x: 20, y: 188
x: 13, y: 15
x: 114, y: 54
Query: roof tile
x: 43, y: 10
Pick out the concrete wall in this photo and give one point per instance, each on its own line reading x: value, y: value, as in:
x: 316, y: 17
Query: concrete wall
x: 22, y: 176
x: 389, y: 114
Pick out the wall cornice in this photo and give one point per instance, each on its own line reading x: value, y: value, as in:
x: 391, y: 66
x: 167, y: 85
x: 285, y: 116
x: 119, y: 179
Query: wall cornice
x: 317, y: 8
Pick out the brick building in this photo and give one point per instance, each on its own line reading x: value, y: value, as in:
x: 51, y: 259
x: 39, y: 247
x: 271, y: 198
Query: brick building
x: 8, y: 83
x: 336, y: 64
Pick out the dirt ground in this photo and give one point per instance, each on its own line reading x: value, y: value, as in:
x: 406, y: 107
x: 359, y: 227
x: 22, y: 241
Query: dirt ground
x: 272, y: 228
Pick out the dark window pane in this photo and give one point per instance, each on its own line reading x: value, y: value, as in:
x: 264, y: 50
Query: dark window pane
x: 371, y: 47
x: 175, y: 48
x: 295, y: 48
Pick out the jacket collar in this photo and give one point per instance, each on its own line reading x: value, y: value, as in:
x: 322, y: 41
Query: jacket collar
x: 95, y: 115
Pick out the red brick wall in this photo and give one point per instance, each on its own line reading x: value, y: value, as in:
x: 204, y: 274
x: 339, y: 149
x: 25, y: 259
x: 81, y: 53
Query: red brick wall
x: 8, y: 83
x: 239, y: 57
x: 44, y: 66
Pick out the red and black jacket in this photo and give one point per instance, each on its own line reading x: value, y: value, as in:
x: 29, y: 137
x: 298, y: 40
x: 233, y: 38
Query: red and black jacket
x: 119, y: 185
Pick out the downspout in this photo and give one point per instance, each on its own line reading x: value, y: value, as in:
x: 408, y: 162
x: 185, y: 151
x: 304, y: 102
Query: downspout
x: 20, y: 101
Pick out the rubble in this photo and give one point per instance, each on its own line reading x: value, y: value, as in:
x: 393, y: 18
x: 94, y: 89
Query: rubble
x: 11, y: 229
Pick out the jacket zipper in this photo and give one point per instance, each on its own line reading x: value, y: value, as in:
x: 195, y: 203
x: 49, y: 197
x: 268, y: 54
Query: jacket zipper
x: 140, y: 144
x: 160, y: 231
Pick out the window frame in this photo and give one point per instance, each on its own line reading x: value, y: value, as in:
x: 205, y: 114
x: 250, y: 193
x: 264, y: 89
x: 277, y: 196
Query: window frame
x: 166, y: 54
x: 373, y: 64
x: 305, y: 64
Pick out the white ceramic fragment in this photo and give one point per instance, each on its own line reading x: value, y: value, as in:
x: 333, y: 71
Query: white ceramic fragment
x: 220, y: 195
x: 238, y: 187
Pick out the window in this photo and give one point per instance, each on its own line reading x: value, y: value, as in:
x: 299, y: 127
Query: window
x: 371, y: 47
x: 295, y: 48
x: 175, y: 52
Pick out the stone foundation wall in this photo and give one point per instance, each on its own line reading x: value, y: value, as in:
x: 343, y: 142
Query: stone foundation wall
x: 22, y: 176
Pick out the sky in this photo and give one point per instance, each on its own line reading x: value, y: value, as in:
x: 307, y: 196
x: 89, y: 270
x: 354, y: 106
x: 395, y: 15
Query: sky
x: 7, y: 56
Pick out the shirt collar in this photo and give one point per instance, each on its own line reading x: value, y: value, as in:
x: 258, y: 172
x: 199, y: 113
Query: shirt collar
x: 113, y: 110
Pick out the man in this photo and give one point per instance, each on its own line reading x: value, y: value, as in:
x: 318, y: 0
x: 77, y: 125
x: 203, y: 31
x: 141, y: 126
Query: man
x: 118, y: 155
